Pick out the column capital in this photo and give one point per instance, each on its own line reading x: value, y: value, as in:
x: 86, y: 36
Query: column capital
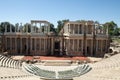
x: 35, y: 27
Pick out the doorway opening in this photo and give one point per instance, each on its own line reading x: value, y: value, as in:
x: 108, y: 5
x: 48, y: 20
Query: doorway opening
x: 57, y: 48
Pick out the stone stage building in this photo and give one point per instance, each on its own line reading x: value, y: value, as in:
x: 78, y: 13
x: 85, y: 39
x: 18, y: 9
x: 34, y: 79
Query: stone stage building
x: 85, y: 38
x: 75, y: 39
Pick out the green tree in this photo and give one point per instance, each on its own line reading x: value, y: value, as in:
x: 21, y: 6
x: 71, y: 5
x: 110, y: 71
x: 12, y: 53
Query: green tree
x: 3, y: 24
x: 112, y: 28
x: 116, y: 32
x: 61, y: 24
x: 25, y: 27
x: 52, y: 28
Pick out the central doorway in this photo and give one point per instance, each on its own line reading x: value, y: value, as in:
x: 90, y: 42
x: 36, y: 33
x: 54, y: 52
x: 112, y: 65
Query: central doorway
x: 57, y: 48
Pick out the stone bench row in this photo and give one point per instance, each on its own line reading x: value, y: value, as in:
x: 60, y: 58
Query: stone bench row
x: 66, y: 74
x: 111, y: 62
x: 39, y: 72
x: 8, y: 62
x: 12, y: 70
x: 69, y: 74
x: 12, y: 73
x: 20, y: 78
x: 107, y: 69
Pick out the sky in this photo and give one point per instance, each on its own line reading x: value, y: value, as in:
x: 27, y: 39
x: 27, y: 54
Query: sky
x: 22, y: 11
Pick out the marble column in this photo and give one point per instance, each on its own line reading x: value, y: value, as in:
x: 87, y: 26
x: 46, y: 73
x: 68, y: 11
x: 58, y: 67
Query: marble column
x: 82, y: 27
x: 82, y: 45
x: 40, y: 28
x: 31, y: 27
x: 40, y: 44
x: 6, y: 43
x: 35, y: 44
x: 47, y: 43
x: 86, y: 26
x: 10, y: 28
x: 86, y: 46
x: 52, y: 47
x: 17, y: 26
x: 69, y: 45
x: 78, y: 29
x: 68, y: 27
x: 31, y: 44
x: 35, y: 27
x: 106, y: 45
x: 101, y: 45
x: 21, y: 45
x: 26, y: 45
x: 78, y: 45
x: 11, y: 44
x: 96, y: 45
x: 73, y: 28
x: 73, y: 45
x: 44, y: 43
x: 21, y: 28
x: 93, y: 29
x: 91, y: 47
x: 44, y: 28
x: 15, y: 44
x: 49, y: 27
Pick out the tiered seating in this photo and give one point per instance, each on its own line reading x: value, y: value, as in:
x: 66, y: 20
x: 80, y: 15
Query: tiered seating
x: 39, y: 72
x: 28, y: 78
x: 8, y: 62
x: 11, y: 70
x: 107, y: 69
x: 111, y: 62
x: 7, y: 72
x: 69, y: 74
x: 66, y: 74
